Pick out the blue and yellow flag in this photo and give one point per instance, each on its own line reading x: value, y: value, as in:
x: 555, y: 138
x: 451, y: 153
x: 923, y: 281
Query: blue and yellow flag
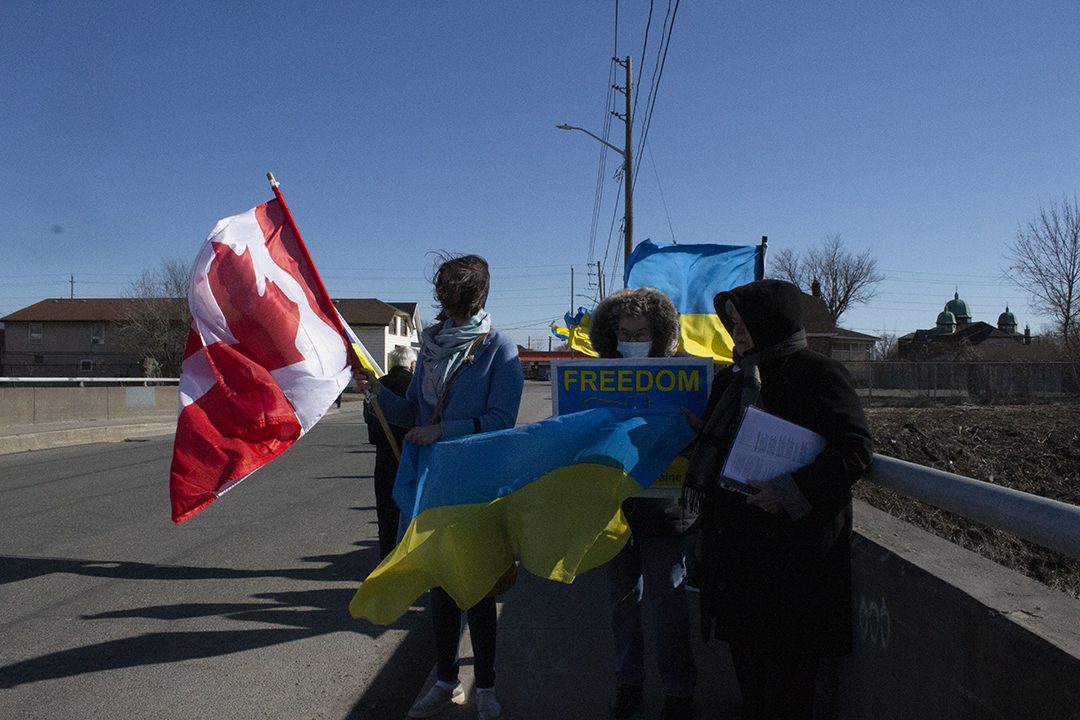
x: 692, y: 275
x: 548, y: 493
x: 577, y: 329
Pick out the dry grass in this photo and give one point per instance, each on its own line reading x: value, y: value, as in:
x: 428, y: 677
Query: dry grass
x: 1033, y: 448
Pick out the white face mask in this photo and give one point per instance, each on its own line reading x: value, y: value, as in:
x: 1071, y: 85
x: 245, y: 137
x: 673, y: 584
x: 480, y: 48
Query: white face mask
x: 634, y: 350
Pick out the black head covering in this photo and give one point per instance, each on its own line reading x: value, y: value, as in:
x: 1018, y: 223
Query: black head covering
x: 771, y: 310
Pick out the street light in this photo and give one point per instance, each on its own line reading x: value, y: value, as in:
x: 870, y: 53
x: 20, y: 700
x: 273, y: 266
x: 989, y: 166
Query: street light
x: 627, y: 156
x: 564, y: 126
x: 628, y: 189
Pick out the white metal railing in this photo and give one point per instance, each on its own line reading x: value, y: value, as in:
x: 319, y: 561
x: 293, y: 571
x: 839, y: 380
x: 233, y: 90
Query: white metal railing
x: 140, y: 381
x: 1050, y: 523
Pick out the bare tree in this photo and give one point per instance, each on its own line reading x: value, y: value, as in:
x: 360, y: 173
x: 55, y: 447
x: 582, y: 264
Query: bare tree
x: 885, y: 347
x: 845, y: 279
x: 1045, y: 261
x: 155, y: 326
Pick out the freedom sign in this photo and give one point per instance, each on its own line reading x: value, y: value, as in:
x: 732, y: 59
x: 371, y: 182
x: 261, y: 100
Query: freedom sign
x: 630, y: 383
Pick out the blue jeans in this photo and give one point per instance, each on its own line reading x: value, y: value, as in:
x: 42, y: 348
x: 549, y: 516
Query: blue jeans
x: 655, y: 565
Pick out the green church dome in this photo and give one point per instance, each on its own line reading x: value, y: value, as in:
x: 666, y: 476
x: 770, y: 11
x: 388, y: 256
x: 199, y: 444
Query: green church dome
x: 946, y: 321
x: 958, y: 308
x: 1007, y: 321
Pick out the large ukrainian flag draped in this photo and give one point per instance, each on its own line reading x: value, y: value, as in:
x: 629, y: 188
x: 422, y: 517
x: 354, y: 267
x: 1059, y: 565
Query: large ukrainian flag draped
x: 692, y: 275
x: 548, y: 493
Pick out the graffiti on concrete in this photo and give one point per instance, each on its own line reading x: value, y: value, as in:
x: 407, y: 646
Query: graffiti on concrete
x: 874, y: 622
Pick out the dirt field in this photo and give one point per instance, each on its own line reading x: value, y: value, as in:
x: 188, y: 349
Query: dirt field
x: 1034, y: 448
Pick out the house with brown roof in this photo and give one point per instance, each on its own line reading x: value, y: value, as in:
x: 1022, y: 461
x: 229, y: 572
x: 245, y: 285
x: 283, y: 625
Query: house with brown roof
x: 62, y: 337
x: 380, y: 326
x: 83, y: 337
x: 826, y: 337
x: 413, y: 311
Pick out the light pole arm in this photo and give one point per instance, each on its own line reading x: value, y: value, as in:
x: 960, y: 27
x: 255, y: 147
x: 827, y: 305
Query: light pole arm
x: 564, y: 126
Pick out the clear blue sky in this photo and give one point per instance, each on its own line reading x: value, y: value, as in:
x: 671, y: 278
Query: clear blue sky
x: 925, y: 131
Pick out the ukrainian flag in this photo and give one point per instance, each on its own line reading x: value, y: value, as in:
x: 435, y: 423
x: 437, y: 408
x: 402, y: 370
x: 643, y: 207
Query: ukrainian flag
x: 548, y: 493
x: 361, y: 352
x: 577, y: 329
x: 692, y: 275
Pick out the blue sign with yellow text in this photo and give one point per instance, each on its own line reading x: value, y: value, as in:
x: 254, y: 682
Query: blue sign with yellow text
x: 621, y: 382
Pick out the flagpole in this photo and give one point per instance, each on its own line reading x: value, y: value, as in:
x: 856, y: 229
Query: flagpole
x: 352, y: 353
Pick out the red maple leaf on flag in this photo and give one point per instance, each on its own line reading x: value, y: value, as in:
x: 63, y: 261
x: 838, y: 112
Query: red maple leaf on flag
x: 238, y: 412
x: 264, y: 325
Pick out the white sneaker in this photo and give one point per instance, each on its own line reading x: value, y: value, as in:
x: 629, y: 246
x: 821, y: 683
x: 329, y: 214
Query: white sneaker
x: 487, y: 705
x: 437, y: 699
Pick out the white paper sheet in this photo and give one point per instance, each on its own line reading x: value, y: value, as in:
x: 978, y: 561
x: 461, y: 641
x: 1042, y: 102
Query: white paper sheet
x: 766, y: 446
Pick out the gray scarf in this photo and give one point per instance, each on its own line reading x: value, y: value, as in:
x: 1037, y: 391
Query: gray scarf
x: 445, y: 349
x: 744, y: 390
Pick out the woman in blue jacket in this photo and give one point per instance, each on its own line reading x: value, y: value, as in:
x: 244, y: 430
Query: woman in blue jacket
x: 468, y: 380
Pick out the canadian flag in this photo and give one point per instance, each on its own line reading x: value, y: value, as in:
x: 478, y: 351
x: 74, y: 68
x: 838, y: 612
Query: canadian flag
x: 266, y: 355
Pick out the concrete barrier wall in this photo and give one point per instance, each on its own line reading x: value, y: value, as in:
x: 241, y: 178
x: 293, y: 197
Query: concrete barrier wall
x: 37, y: 405
x: 944, y: 633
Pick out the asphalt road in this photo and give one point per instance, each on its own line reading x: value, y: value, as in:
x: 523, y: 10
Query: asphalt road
x: 108, y: 610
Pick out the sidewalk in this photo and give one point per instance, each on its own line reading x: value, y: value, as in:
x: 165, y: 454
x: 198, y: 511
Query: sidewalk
x: 555, y: 658
x: 42, y: 436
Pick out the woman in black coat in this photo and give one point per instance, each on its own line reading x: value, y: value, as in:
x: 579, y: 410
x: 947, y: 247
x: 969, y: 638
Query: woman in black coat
x: 775, y: 565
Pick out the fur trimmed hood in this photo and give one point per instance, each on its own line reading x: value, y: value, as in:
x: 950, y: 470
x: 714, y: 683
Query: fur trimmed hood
x: 649, y: 303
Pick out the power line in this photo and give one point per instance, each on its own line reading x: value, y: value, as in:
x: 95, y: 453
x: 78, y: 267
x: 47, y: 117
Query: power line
x: 666, y: 45
x: 663, y: 199
x: 611, y: 232
x: 644, y: 48
x: 652, y: 80
x: 601, y: 165
x: 601, y: 169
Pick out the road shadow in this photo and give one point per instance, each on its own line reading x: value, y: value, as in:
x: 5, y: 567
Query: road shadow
x: 354, y: 564
x: 297, y: 615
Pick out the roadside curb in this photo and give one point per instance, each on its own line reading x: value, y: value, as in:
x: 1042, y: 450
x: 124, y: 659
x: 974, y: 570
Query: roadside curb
x: 44, y: 440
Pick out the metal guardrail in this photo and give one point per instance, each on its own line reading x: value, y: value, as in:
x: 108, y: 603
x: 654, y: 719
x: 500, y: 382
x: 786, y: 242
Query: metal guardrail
x: 1050, y: 523
x: 123, y: 381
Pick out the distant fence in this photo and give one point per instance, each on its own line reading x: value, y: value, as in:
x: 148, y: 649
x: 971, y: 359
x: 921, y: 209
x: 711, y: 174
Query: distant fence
x: 980, y: 382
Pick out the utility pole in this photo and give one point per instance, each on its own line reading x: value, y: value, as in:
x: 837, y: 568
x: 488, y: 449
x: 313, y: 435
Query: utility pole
x: 627, y: 152
x: 72, y: 281
x: 628, y: 162
x: 571, y: 291
x: 599, y: 280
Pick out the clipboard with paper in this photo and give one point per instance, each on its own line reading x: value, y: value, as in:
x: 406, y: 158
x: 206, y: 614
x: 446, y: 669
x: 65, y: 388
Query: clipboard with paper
x: 766, y: 446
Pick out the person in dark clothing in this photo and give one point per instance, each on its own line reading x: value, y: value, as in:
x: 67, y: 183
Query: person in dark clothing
x: 402, y: 362
x: 639, y: 323
x: 775, y: 567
